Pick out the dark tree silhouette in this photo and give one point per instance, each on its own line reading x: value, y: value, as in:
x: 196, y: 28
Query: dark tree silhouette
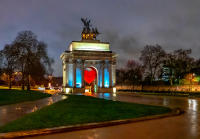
x: 32, y: 56
x: 121, y: 76
x: 180, y: 63
x: 1, y: 60
x: 134, y: 72
x: 9, y: 58
x: 152, y: 58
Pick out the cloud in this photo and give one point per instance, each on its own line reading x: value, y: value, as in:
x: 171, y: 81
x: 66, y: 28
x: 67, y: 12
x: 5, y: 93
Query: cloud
x: 128, y: 25
x: 127, y: 47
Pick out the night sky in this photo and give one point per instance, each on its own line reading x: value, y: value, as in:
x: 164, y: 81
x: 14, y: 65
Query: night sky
x: 127, y: 24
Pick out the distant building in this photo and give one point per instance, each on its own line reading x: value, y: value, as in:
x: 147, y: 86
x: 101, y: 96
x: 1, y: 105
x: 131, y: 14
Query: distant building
x: 165, y: 74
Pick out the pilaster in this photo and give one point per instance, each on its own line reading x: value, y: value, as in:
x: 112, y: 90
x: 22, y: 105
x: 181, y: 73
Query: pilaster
x: 74, y: 73
x: 110, y: 74
x: 103, y: 66
x: 82, y: 73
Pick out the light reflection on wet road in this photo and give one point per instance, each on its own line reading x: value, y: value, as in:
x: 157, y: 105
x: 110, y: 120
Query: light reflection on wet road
x: 191, y: 118
x: 11, y: 112
x: 185, y: 126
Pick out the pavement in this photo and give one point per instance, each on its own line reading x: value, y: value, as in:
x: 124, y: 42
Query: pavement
x: 14, y: 111
x: 185, y: 126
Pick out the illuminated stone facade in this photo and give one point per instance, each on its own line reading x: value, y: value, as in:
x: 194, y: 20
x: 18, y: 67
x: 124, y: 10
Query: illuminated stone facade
x: 88, y: 53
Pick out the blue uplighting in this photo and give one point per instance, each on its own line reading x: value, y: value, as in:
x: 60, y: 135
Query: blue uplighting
x: 100, y: 78
x: 106, y: 95
x: 106, y: 78
x: 78, y: 78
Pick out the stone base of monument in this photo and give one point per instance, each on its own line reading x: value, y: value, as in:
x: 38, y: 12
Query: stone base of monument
x: 105, y: 90
x: 84, y: 90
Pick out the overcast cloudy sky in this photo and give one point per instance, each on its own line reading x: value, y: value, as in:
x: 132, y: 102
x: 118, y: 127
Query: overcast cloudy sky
x: 127, y: 24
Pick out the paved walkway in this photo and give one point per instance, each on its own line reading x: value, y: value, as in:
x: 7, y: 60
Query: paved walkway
x: 14, y: 111
x: 186, y: 126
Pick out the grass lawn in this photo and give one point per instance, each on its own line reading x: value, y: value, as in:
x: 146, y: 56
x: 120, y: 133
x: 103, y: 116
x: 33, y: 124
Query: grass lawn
x: 81, y: 109
x: 14, y: 96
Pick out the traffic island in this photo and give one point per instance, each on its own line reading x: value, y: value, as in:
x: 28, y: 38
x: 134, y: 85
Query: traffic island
x: 82, y: 112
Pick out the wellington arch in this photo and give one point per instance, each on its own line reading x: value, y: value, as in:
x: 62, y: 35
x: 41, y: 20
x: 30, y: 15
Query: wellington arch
x: 88, y: 63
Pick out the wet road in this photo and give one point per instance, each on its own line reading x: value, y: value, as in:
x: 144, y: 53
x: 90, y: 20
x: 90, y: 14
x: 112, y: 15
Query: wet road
x: 11, y: 112
x: 186, y: 126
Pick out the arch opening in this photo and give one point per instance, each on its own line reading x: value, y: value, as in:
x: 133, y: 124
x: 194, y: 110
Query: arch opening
x: 90, y: 78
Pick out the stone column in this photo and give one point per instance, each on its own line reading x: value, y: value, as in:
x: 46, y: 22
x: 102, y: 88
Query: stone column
x: 82, y: 73
x: 74, y: 73
x: 103, y: 65
x: 110, y: 74
x: 66, y: 73
x: 114, y: 72
x: 97, y: 78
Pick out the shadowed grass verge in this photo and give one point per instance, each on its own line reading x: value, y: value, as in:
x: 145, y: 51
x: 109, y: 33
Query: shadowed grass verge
x: 15, y: 96
x: 79, y: 110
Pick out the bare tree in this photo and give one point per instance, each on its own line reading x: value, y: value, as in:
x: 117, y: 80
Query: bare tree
x: 179, y: 63
x: 196, y: 68
x: 152, y: 58
x: 32, y: 56
x: 134, y: 72
x: 121, y: 76
x: 9, y: 56
x: 1, y: 60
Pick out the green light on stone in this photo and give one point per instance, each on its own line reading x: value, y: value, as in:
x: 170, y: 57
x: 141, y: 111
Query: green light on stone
x: 89, y: 46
